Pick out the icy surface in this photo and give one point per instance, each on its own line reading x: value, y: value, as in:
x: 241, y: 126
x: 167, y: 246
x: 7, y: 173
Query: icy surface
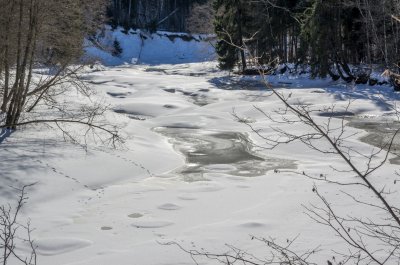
x: 190, y: 172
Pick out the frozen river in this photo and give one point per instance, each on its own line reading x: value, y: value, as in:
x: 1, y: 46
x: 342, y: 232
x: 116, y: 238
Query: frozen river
x: 190, y: 171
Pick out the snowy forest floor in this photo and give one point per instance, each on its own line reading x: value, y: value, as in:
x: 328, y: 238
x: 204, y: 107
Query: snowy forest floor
x: 188, y: 172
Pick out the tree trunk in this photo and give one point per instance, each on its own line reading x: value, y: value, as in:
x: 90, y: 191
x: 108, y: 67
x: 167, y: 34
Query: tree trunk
x: 239, y: 21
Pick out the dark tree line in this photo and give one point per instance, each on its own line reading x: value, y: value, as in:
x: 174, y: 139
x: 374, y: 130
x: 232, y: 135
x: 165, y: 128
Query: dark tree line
x: 151, y: 14
x: 326, y: 34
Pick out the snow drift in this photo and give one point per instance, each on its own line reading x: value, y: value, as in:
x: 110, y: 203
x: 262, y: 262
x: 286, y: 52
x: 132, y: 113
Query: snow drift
x: 142, y: 47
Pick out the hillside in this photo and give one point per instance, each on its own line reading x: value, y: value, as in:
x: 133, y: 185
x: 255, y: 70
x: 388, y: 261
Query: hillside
x: 138, y: 46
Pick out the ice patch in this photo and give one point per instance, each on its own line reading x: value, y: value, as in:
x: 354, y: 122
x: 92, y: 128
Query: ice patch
x: 214, y: 152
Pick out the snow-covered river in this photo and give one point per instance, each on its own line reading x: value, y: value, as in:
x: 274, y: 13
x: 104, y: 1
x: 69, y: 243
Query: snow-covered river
x: 190, y: 172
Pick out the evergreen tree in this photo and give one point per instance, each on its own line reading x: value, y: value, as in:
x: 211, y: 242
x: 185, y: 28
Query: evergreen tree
x: 318, y: 33
x: 229, y: 29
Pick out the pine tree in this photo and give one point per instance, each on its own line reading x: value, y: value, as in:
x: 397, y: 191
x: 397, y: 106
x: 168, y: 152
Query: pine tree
x: 318, y: 35
x: 229, y: 29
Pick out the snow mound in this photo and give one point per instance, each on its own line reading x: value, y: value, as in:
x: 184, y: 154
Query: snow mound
x: 141, y: 47
x: 169, y: 207
x: 55, y: 246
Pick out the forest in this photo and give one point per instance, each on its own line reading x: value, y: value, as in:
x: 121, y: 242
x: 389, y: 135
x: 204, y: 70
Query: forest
x: 327, y: 35
x: 151, y: 14
x: 319, y: 33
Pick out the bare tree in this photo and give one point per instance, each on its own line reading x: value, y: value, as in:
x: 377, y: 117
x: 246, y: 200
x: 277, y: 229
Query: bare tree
x: 10, y: 234
x: 41, y: 48
x: 278, y: 254
x: 201, y: 18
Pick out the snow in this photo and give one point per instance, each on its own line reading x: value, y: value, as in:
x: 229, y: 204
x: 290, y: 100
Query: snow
x: 141, y: 47
x: 103, y: 206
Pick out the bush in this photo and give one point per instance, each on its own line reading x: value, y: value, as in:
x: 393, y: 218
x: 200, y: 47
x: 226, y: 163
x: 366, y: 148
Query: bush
x: 117, y: 49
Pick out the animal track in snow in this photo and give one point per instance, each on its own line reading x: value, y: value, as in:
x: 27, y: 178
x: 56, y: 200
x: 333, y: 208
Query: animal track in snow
x: 135, y: 215
x: 169, y: 207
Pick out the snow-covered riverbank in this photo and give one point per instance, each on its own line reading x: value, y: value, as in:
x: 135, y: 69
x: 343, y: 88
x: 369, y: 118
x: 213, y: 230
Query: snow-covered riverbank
x: 187, y: 173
